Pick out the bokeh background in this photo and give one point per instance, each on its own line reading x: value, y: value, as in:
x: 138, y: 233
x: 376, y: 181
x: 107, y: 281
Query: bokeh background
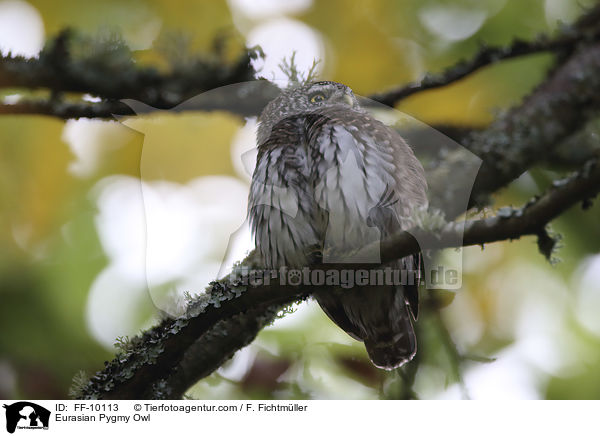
x: 95, y: 213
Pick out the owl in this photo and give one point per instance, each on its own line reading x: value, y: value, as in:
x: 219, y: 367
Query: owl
x: 330, y: 181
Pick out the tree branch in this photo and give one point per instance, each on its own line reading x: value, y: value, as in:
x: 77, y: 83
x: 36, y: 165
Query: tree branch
x: 526, y: 134
x: 158, y: 358
x: 256, y: 94
x: 106, y: 69
x: 584, y: 30
x: 66, y: 110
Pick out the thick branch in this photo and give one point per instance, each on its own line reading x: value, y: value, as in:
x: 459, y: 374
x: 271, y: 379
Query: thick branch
x: 146, y: 368
x: 213, y: 349
x: 527, y: 134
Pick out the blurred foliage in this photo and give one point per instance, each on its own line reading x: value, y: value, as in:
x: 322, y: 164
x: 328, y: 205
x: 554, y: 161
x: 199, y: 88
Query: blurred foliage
x: 50, y: 250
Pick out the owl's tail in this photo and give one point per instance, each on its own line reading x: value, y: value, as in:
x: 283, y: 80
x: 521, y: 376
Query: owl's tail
x: 390, y: 352
x: 379, y: 317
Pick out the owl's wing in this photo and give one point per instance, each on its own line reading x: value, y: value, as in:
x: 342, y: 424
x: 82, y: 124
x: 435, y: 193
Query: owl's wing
x: 367, y: 178
x: 362, y: 176
x: 351, y: 177
x: 413, y: 188
x: 359, y: 163
x: 330, y: 303
x: 385, y: 217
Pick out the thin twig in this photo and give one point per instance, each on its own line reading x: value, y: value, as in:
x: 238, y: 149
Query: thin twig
x: 486, y: 56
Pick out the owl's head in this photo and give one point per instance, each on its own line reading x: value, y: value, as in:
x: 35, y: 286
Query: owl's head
x: 316, y: 94
x: 302, y: 100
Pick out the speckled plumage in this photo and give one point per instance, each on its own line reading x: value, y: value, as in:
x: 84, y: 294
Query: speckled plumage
x: 329, y: 180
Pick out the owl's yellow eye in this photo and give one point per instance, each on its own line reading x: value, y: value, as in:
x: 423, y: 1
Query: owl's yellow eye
x: 318, y: 97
